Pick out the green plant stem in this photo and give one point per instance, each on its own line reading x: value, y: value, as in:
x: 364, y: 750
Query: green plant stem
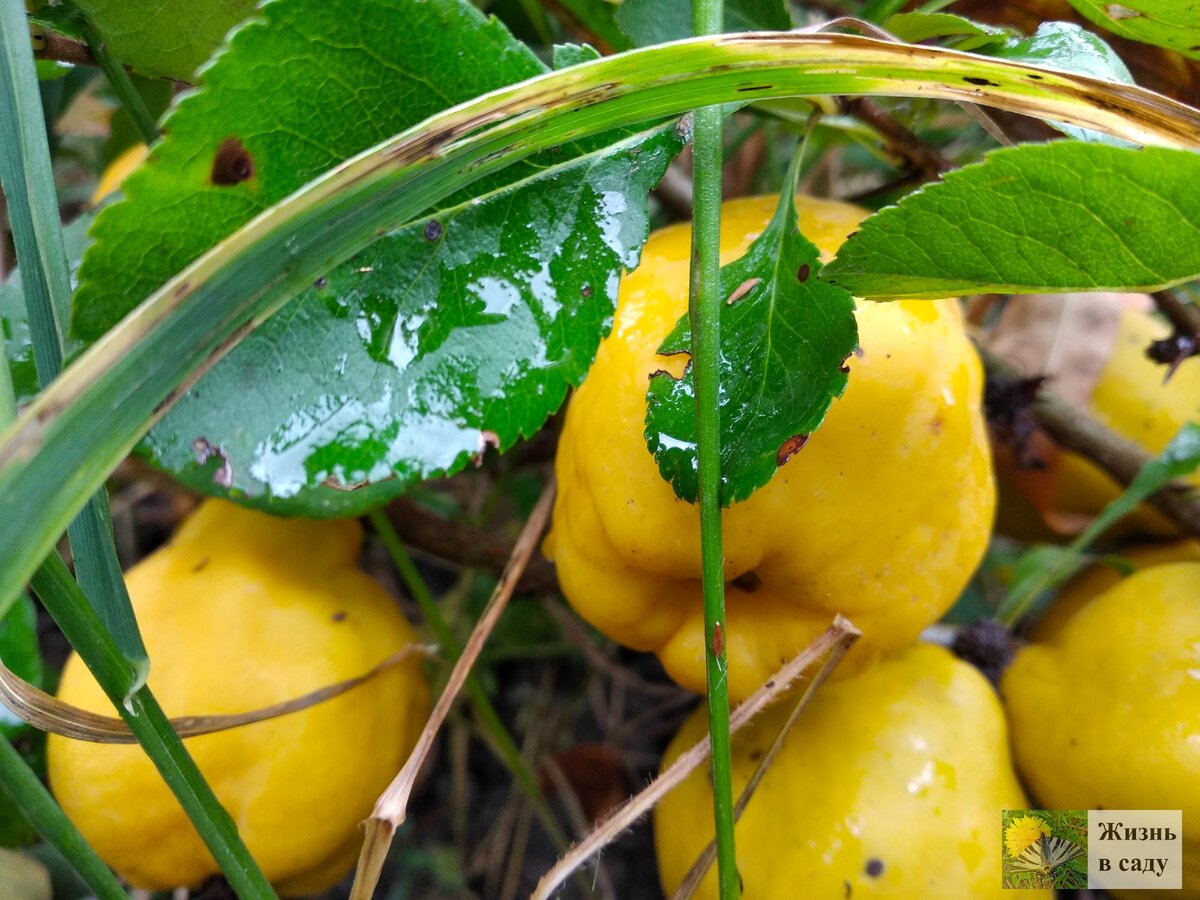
x: 123, y: 85
x: 63, y: 599
x: 704, y: 306
x: 18, y: 780
x: 33, y: 209
x: 497, y: 736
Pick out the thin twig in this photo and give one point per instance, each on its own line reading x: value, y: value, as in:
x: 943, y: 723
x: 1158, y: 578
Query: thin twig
x: 633, y: 809
x: 391, y: 808
x: 919, y: 155
x: 1075, y: 430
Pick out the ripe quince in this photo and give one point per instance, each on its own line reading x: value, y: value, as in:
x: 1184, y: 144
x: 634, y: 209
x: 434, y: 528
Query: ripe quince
x: 1105, y: 709
x: 883, y: 515
x: 891, y: 784
x: 240, y: 611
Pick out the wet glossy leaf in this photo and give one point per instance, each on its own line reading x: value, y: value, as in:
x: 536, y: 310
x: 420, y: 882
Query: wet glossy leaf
x: 1067, y: 46
x: 164, y: 38
x: 1174, y: 24
x: 460, y: 331
x: 785, y: 337
x: 648, y: 22
x: 15, y: 326
x: 1066, y: 216
x: 295, y: 93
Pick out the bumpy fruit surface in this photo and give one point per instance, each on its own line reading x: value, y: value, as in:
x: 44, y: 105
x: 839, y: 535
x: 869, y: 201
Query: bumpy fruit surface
x: 242, y: 610
x: 891, y: 784
x: 1105, y: 713
x: 882, y: 515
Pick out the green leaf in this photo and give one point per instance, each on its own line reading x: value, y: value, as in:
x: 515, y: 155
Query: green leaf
x: 14, y: 324
x: 599, y: 19
x: 1174, y: 24
x: 59, y: 451
x: 447, y: 336
x: 915, y: 27
x: 1071, y: 48
x: 785, y: 337
x: 647, y: 22
x: 164, y: 38
x: 19, y: 651
x: 1064, y: 216
x: 460, y: 331
x: 334, y: 89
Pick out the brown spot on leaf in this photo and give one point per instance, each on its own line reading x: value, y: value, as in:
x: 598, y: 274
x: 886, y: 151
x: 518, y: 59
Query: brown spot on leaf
x: 874, y: 867
x: 790, y: 448
x: 803, y: 272
x: 339, y: 616
x: 232, y: 163
x: 433, y: 230
x: 586, y: 290
x: 981, y: 82
x: 201, y: 564
x: 935, y: 425
x: 205, y: 451
x: 742, y: 290
x: 486, y: 439
x: 718, y: 641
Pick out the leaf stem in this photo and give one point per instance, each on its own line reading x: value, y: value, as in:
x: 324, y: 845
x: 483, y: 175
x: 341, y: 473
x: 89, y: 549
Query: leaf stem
x: 704, y: 307
x: 122, y: 84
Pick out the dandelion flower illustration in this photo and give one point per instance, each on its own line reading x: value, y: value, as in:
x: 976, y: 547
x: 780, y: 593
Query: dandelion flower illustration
x: 1022, y: 832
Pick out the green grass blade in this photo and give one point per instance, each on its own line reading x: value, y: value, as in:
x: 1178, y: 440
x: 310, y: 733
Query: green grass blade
x: 20, y: 782
x: 59, y: 452
x: 33, y: 210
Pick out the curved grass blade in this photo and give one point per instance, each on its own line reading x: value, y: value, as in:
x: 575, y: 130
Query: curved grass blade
x: 60, y: 450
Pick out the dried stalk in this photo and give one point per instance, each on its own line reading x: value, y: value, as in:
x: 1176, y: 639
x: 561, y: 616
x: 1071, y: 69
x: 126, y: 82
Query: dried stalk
x: 840, y: 632
x: 391, y: 808
x: 704, y: 862
x: 48, y: 713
